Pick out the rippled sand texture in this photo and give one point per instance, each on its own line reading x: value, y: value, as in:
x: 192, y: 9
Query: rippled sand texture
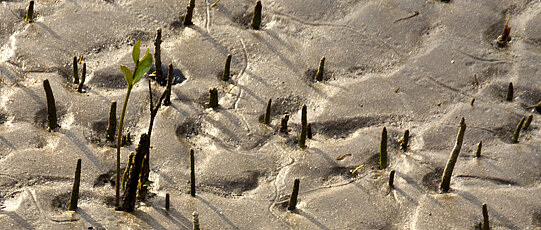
x: 399, y: 64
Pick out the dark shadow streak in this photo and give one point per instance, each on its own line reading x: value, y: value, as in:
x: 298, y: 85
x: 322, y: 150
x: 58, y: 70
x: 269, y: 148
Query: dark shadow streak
x: 89, y: 219
x: 148, y: 220
x: 89, y: 154
x: 7, y: 143
x: 492, y: 212
x: 174, y: 217
x: 213, y: 41
x: 217, y: 212
x: 46, y: 28
x: 19, y: 220
x: 311, y: 219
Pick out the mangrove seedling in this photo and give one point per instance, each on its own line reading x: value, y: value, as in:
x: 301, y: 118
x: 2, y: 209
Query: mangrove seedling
x: 506, y: 34
x: 75, y: 190
x: 111, y: 127
x: 51, y: 107
x: 157, y: 57
x: 130, y: 194
x: 30, y: 12
x: 292, y: 205
x: 83, y: 77
x: 391, y: 179
x: 75, y: 70
x: 309, y: 131
x: 479, y: 147
x: 256, y: 20
x: 516, y: 134
x: 472, y: 101
x: 509, y: 92
x: 320, y: 69
x: 227, y: 68
x: 304, y: 128
x: 189, y: 13
x: 383, y: 149
x: 167, y: 100
x: 192, y: 173
x: 283, y: 123
x: 195, y: 221
x: 127, y: 169
x: 528, y: 122
x: 213, y: 98
x: 167, y: 201
x: 405, y: 140
x: 267, y: 117
x: 448, y: 171
x: 141, y: 67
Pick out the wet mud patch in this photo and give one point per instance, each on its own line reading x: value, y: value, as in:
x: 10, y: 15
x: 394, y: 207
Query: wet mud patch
x: 536, y: 218
x: 109, y: 78
x: 310, y: 75
x: 137, y: 35
x: 491, y: 34
x: 244, y: 16
x: 187, y: 129
x: 343, y: 127
x: 232, y: 186
x: 432, y: 180
x: 108, y: 178
x: 530, y: 97
x: 3, y: 118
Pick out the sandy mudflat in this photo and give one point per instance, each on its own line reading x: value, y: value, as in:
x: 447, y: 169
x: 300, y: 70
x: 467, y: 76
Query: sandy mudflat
x: 399, y: 64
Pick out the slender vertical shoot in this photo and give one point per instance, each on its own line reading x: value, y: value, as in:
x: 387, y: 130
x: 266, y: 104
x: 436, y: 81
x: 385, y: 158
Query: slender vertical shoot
x: 448, y: 171
x: 51, y: 107
x: 283, y: 123
x: 383, y: 149
x: 227, y: 68
x: 486, y: 224
x: 405, y: 140
x: 479, y: 147
x: 30, y: 12
x: 320, y: 69
x: 213, y: 98
x: 75, y: 190
x: 111, y: 127
x: 167, y: 201
x: 267, y: 118
x: 528, y: 122
x: 158, y: 57
x: 192, y: 173
x: 292, y: 205
x: 195, y: 221
x: 75, y: 71
x: 509, y: 92
x: 167, y: 100
x: 304, y: 127
x: 83, y: 77
x: 391, y: 179
x: 256, y: 20
x: 189, y: 13
x: 516, y: 134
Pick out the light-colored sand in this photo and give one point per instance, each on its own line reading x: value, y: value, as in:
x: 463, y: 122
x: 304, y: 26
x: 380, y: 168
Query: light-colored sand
x: 389, y: 63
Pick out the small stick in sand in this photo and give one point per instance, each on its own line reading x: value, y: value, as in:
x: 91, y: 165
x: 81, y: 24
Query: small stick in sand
x: 189, y: 13
x: 505, y: 37
x: 30, y: 12
x: 267, y: 117
x: 391, y: 179
x: 83, y: 77
x: 158, y: 57
x: 383, y: 149
x: 448, y: 171
x: 292, y: 205
x: 216, y: 2
x: 111, y: 128
x: 478, y: 152
x: 226, y: 74
x: 167, y: 100
x: 404, y: 142
x: 75, y: 190
x: 536, y: 107
x: 528, y: 122
x: 283, y: 123
x: 167, y: 201
x: 509, y: 92
x: 309, y: 131
x: 320, y: 69
x: 213, y: 98
x: 516, y: 134
x: 486, y: 225
x: 256, y: 20
x: 304, y: 127
x: 195, y: 221
x: 75, y: 70
x: 192, y: 173
x: 472, y: 101
x: 51, y: 107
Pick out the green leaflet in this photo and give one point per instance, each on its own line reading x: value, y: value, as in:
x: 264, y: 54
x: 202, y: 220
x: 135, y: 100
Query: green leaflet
x: 143, y: 67
x: 136, y: 52
x: 127, y: 74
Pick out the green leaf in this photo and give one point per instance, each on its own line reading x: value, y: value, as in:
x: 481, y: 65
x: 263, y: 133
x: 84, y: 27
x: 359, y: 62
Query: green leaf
x: 144, y: 66
x: 136, y: 52
x: 127, y: 74
x: 148, y: 183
